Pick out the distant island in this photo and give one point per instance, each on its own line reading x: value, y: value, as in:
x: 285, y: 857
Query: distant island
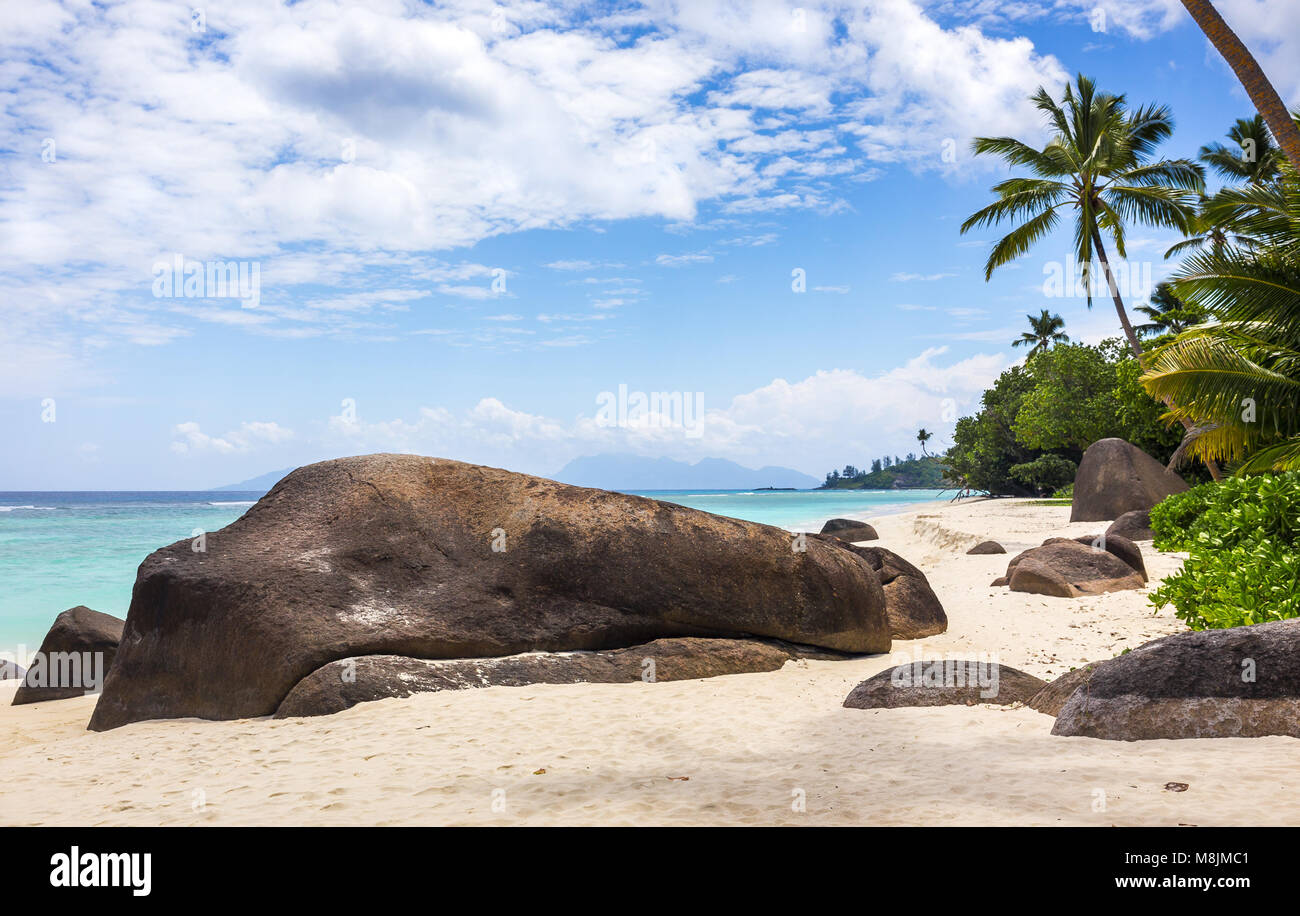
x: 910, y: 473
x: 259, y: 484
x: 636, y: 472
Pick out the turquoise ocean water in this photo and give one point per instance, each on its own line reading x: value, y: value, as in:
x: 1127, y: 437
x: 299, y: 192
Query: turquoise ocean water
x: 58, y: 550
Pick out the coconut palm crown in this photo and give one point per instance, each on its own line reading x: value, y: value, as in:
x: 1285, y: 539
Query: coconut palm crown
x: 1253, y: 156
x: 1238, y: 377
x: 1045, y: 330
x: 1098, y: 173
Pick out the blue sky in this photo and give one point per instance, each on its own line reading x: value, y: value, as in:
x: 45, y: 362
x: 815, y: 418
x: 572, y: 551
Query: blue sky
x: 470, y: 220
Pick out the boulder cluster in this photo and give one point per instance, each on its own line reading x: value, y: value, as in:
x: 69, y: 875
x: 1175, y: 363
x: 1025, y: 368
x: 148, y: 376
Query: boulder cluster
x: 1240, y: 682
x: 382, y: 575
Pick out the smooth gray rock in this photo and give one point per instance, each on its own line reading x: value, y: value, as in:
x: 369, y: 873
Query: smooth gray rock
x: 347, y: 682
x: 1116, y: 545
x: 944, y: 683
x: 79, y: 647
x: 848, y: 529
x: 1051, y: 698
x: 429, y: 558
x: 1135, y: 525
x: 913, y: 609
x: 1116, y: 477
x: 1065, y: 568
x: 1241, y: 682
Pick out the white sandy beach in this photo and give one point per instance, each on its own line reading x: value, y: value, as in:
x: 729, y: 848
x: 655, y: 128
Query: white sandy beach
x: 731, y: 750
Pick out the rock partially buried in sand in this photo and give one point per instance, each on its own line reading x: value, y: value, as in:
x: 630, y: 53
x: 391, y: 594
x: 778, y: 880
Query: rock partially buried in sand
x: 1135, y: 525
x: 404, y: 555
x: 913, y: 608
x: 986, y: 547
x: 1051, y: 698
x: 944, y: 682
x: 74, y: 657
x: 1064, y: 568
x: 347, y: 682
x: 1116, y: 477
x: 847, y: 529
x: 1241, y: 682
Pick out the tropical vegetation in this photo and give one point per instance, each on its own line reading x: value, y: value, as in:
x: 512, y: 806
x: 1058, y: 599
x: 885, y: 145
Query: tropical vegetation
x: 1036, y: 421
x: 1098, y: 173
x: 1243, y: 545
x: 1222, y: 336
x: 928, y: 472
x: 1167, y: 314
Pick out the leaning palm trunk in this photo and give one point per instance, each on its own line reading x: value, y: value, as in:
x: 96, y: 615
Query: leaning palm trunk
x: 1133, y: 342
x: 1248, y: 70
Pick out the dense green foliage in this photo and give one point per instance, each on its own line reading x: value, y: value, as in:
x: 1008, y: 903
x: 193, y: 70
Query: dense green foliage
x: 1038, y: 419
x: 1172, y: 518
x: 1237, y: 377
x: 1074, y: 401
x: 984, y: 447
x: 1243, y: 541
x: 889, y: 474
x: 1046, y: 473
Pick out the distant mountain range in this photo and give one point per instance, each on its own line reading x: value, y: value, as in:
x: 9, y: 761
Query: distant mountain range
x: 257, y: 484
x: 633, y: 472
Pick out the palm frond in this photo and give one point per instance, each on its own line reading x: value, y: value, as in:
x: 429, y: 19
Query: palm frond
x: 1019, y: 240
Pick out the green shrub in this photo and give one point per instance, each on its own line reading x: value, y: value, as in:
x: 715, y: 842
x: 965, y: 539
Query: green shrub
x: 1171, y: 519
x: 1045, y: 473
x: 1243, y: 541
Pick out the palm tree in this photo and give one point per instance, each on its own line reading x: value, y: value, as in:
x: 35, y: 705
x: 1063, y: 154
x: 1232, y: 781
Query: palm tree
x: 1094, y: 168
x: 1243, y: 63
x: 1251, y: 159
x: 1095, y: 171
x: 922, y: 436
x: 1168, y: 313
x: 1254, y: 161
x: 1213, y: 227
x: 1045, y: 330
x: 1239, y: 378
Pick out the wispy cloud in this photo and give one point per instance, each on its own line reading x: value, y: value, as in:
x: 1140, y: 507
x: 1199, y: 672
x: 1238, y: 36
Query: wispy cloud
x: 682, y: 260
x: 923, y: 278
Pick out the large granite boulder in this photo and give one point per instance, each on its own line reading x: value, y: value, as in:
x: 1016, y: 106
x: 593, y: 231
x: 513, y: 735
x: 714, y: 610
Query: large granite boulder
x: 421, y: 557
x: 1135, y: 525
x: 347, y: 682
x: 944, y: 682
x: 1051, y: 698
x: 913, y: 608
x: 1068, y: 569
x: 74, y: 658
x: 1115, y: 477
x: 983, y: 548
x: 1115, y: 544
x: 1241, y: 682
x: 848, y: 529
